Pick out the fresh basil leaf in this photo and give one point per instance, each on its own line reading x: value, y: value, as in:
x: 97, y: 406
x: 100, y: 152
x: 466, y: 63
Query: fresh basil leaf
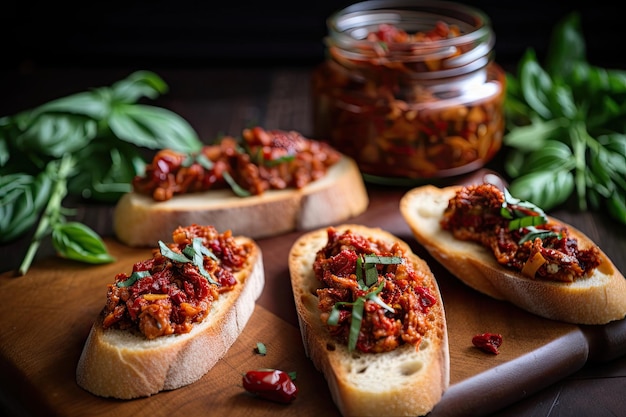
x: 153, y: 128
x: 138, y: 85
x: 92, y: 104
x: 106, y: 170
x: 22, y: 199
x: 554, y: 156
x: 564, y: 101
x: 566, y: 45
x: 536, y: 85
x: 57, y: 134
x: 614, y: 146
x: 616, y: 205
x: 546, y: 189
x: 533, y: 136
x: 75, y: 241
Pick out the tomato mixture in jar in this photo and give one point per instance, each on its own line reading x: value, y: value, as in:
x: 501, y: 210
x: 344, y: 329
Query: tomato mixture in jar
x: 410, y: 92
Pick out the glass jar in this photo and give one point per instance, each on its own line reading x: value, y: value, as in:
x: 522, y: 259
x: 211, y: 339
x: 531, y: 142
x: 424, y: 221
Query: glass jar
x: 410, y: 89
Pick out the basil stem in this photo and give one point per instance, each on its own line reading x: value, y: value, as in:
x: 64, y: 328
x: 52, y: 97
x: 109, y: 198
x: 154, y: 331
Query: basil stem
x: 51, y: 212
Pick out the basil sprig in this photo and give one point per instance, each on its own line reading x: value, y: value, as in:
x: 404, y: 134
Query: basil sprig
x: 367, y: 276
x: 566, y: 136
x: 87, y: 145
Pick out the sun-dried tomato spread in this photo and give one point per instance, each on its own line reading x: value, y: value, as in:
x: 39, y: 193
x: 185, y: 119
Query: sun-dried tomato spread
x: 174, y: 289
x: 519, y: 234
x: 372, y: 297
x: 264, y: 160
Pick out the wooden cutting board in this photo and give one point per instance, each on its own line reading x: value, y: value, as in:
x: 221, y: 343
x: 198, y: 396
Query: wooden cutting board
x: 46, y: 315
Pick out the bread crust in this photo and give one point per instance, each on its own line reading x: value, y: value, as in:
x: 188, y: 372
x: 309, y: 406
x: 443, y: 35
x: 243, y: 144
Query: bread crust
x: 404, y: 381
x: 120, y: 364
x: 140, y: 221
x: 598, y: 299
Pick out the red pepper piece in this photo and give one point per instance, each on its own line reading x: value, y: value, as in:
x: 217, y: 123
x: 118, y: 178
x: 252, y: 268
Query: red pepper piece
x: 488, y: 342
x: 271, y: 384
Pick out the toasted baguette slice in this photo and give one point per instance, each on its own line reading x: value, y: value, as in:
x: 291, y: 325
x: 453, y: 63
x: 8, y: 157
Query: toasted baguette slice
x: 404, y: 381
x: 598, y: 299
x: 339, y: 195
x: 120, y: 364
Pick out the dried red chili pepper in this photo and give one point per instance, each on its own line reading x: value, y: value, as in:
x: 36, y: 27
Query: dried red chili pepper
x: 488, y: 342
x: 271, y: 384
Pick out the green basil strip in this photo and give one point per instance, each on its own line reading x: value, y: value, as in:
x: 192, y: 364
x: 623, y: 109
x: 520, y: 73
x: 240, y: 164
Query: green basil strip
x: 204, y: 250
x: 371, y: 274
x: 237, y: 189
x: 205, y: 162
x: 537, y: 233
x: 278, y: 161
x: 134, y: 277
x: 355, y: 324
x: 198, y: 259
x: 526, y: 221
x: 373, y: 296
x: 359, y: 272
x: 383, y: 260
x: 261, y: 349
x: 333, y: 317
x: 170, y: 254
x: 188, y: 161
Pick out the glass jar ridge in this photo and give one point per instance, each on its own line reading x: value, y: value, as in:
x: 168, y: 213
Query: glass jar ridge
x: 410, y: 89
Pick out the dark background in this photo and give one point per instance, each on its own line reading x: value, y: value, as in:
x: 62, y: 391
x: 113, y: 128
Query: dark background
x: 185, y: 33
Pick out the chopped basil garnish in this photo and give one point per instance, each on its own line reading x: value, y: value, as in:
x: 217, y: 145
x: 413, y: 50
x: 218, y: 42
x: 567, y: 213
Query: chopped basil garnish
x: 174, y: 256
x: 526, y: 221
x: 261, y: 349
x: 520, y: 220
x: 137, y: 275
x: 534, y: 233
x: 365, y: 268
x: 191, y: 253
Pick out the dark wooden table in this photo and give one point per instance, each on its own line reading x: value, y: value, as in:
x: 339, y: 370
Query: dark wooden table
x: 227, y: 100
